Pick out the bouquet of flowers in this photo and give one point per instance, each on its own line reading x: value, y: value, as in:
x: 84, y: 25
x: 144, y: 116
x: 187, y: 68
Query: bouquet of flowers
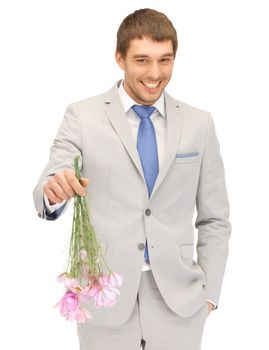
x: 87, y: 275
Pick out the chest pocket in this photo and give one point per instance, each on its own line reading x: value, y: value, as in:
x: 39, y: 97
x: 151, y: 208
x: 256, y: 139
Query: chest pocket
x: 191, y: 157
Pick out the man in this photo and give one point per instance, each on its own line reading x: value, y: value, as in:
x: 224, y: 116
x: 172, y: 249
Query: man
x: 148, y: 160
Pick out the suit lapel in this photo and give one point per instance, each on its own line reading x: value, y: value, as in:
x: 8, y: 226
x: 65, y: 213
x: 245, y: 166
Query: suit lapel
x: 115, y: 113
x: 174, y: 119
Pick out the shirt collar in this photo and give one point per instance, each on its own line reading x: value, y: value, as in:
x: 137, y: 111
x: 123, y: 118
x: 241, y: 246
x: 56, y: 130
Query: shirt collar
x: 128, y: 102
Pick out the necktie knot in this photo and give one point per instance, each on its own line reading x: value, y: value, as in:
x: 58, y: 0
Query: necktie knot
x: 143, y: 111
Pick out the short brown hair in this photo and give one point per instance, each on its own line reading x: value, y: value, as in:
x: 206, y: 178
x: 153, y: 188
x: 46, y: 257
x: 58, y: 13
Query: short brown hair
x: 147, y: 23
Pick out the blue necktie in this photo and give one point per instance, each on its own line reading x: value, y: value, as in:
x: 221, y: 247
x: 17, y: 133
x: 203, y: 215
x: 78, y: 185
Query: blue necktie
x: 147, y: 149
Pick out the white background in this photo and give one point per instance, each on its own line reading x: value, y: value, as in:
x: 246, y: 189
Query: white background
x: 57, y: 52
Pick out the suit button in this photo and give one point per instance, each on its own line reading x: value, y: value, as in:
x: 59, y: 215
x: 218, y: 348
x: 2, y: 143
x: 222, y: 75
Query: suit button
x: 141, y: 246
x: 148, y: 212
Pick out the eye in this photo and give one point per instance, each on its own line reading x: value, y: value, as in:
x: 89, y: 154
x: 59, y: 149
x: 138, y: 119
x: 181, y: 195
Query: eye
x: 141, y: 60
x: 166, y: 60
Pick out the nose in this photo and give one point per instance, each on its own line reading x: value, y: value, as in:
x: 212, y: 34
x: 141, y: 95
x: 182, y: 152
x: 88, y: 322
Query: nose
x: 154, y: 71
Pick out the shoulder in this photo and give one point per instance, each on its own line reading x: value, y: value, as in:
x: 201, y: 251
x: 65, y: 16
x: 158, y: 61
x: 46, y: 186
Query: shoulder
x: 95, y: 103
x: 87, y: 104
x: 190, y: 113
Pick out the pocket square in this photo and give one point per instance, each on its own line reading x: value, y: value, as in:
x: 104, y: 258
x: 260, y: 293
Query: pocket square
x: 190, y: 154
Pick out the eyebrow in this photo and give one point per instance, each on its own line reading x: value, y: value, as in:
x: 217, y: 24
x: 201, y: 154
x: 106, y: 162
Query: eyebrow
x: 168, y: 54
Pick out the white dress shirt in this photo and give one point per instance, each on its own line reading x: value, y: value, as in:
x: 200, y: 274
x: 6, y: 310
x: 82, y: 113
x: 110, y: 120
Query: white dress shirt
x: 158, y: 118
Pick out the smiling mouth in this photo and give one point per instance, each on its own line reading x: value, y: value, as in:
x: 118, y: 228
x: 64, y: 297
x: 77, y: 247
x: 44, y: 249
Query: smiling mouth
x: 151, y: 86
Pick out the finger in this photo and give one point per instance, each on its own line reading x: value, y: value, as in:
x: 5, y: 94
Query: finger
x: 50, y: 193
x: 60, y: 178
x: 85, y: 182
x: 52, y: 197
x: 74, y: 183
x: 58, y: 190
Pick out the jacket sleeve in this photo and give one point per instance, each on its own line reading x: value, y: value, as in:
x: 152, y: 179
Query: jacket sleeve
x: 66, y: 146
x: 212, y: 222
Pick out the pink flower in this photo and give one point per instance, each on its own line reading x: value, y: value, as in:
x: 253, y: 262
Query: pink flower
x: 115, y: 279
x: 112, y: 280
x: 69, y: 282
x: 69, y: 307
x: 88, y: 292
x: 106, y: 297
x: 104, y: 280
x: 62, y: 277
x: 104, y: 293
x: 79, y: 315
x: 68, y: 303
x: 101, y: 288
x: 72, y: 284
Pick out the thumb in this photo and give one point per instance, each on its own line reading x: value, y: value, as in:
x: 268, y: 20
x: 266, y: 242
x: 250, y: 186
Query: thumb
x: 84, y: 181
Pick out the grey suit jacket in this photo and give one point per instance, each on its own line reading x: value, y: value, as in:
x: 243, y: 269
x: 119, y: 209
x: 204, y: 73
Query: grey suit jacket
x: 192, y: 174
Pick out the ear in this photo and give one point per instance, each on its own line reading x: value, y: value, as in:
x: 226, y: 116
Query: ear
x: 120, y: 60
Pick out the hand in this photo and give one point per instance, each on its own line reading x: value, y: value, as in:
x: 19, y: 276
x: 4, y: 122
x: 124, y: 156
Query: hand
x: 210, y: 307
x: 64, y: 185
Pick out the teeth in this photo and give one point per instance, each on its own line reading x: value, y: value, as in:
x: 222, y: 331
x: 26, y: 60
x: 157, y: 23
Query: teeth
x: 151, y: 86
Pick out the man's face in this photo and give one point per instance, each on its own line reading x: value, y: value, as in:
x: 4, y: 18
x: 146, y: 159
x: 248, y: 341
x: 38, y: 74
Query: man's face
x: 148, y: 67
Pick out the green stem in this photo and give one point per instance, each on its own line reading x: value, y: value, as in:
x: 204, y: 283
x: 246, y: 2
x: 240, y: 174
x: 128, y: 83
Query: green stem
x: 83, y: 237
